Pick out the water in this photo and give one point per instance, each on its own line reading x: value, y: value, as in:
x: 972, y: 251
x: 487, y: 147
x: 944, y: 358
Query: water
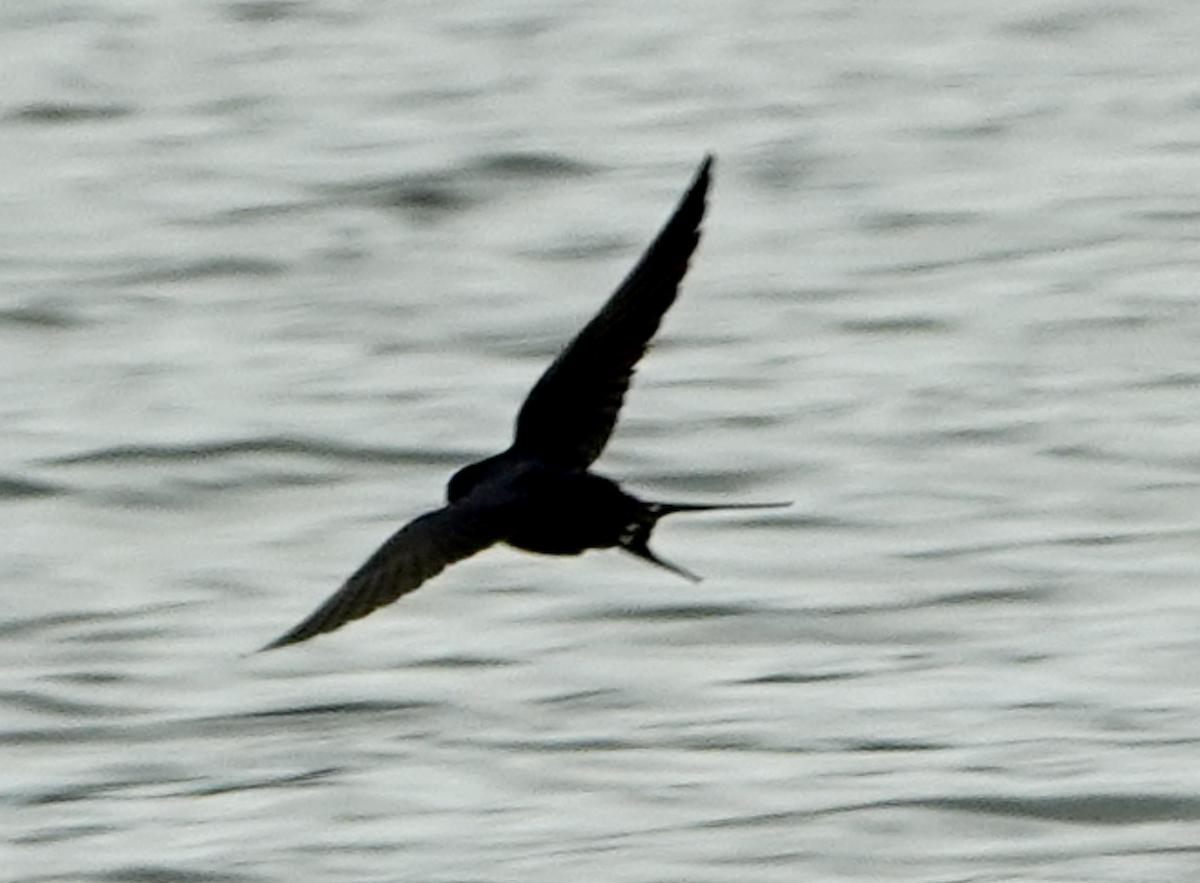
x: 271, y: 271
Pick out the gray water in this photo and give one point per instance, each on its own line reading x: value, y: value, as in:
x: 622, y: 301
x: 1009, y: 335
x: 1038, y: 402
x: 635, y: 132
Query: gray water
x: 270, y: 271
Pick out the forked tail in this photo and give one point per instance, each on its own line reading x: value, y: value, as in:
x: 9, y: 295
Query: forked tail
x: 636, y: 539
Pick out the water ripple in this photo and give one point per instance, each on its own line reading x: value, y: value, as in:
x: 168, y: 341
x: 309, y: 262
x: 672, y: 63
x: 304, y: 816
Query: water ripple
x: 1082, y: 809
x: 269, y: 446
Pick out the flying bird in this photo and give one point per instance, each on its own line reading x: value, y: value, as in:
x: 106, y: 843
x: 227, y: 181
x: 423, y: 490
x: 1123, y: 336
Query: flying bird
x: 540, y: 495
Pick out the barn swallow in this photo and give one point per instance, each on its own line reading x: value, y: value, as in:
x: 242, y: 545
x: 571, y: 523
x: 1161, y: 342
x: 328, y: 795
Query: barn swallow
x: 540, y: 495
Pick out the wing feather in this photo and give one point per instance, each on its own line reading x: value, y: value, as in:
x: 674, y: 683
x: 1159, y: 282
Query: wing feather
x: 571, y: 412
x: 414, y: 554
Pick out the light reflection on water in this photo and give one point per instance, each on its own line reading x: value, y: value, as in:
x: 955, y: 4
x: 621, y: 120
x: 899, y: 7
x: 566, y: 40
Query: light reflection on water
x: 273, y: 271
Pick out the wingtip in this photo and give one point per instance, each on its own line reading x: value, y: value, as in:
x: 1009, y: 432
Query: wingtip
x: 295, y: 636
x: 274, y: 645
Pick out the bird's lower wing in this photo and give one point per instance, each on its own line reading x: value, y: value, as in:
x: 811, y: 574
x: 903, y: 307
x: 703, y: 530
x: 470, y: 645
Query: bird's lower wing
x: 417, y: 552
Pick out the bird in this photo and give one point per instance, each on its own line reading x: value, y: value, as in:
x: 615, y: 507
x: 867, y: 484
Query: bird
x: 540, y: 495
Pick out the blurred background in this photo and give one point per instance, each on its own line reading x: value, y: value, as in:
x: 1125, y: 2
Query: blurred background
x: 270, y: 271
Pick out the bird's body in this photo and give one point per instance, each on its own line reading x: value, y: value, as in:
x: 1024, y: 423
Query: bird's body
x: 540, y: 495
x: 556, y: 511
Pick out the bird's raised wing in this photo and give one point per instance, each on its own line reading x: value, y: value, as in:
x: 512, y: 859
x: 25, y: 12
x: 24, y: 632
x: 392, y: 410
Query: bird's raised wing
x: 417, y: 552
x: 571, y: 411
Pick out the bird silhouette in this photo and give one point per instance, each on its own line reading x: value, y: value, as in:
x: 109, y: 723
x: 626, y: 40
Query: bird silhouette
x: 539, y: 495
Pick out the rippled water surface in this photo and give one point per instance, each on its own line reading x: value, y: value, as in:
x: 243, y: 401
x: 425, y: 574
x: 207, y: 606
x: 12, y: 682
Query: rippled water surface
x: 270, y: 271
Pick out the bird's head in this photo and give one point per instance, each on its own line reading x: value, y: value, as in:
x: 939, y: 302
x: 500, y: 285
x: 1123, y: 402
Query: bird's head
x: 470, y: 477
x: 462, y: 481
